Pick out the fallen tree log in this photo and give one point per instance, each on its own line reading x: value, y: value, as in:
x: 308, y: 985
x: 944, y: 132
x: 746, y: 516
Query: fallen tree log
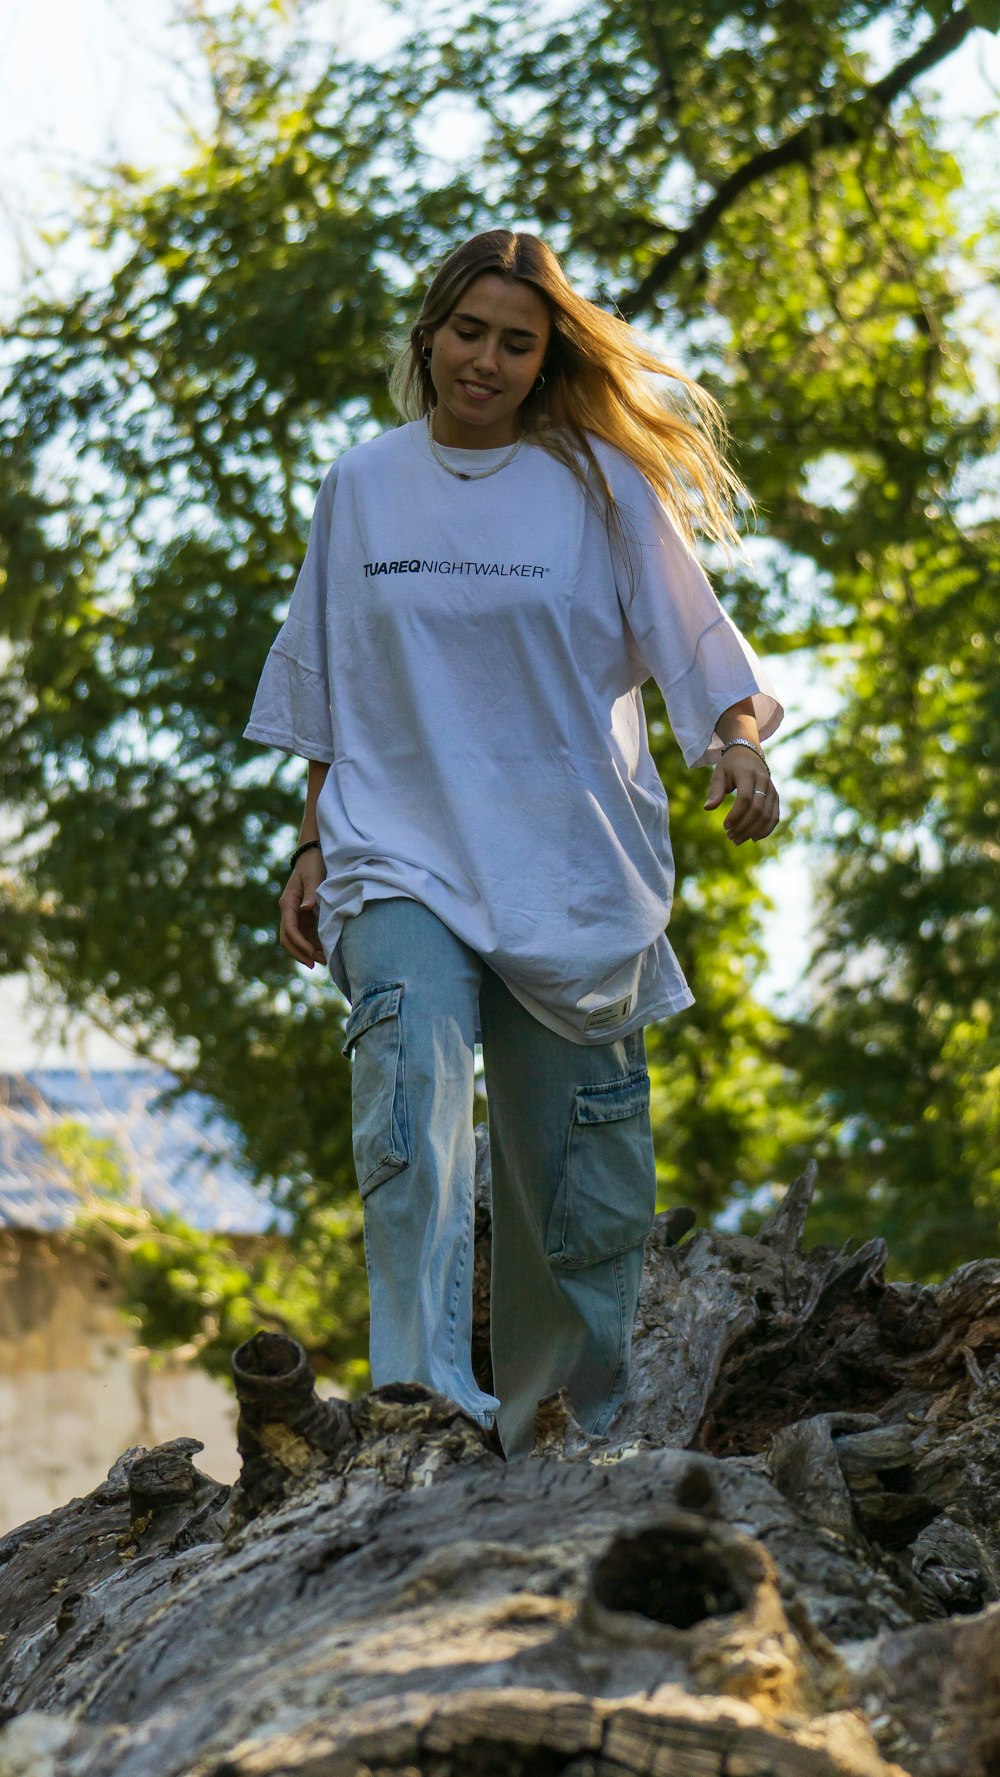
x: 782, y: 1562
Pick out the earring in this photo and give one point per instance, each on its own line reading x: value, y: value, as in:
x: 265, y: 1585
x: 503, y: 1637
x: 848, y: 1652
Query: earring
x: 539, y: 382
x: 426, y: 356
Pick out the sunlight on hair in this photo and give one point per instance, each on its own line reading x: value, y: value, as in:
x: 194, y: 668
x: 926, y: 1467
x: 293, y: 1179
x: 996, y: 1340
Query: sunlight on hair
x: 601, y: 378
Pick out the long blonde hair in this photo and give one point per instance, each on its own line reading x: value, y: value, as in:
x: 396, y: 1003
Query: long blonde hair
x: 597, y: 380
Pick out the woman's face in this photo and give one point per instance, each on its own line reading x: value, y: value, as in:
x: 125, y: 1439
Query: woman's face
x: 485, y: 359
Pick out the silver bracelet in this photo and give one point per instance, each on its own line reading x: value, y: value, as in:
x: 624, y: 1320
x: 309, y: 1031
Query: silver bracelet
x: 740, y: 742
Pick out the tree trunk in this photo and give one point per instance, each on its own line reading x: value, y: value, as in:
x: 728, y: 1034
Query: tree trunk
x: 783, y: 1561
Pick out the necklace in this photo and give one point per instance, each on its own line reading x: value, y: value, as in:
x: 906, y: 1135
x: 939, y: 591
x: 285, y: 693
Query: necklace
x: 463, y: 474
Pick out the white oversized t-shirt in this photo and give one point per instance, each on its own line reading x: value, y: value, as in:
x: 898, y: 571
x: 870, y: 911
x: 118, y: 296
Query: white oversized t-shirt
x: 467, y: 656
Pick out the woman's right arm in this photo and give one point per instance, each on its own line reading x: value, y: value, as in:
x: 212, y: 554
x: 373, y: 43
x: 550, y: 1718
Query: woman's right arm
x: 299, y: 931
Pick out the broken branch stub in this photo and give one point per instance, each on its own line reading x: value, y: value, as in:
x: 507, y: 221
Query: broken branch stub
x: 284, y: 1428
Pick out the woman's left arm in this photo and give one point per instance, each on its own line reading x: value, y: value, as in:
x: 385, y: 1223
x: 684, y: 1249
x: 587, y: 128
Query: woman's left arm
x: 755, y: 812
x: 702, y: 664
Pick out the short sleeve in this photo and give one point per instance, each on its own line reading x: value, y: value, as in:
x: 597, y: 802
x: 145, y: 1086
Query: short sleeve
x: 681, y: 635
x: 292, y: 709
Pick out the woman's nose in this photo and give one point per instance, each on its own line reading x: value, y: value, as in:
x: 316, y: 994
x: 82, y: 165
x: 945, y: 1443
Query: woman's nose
x: 486, y: 356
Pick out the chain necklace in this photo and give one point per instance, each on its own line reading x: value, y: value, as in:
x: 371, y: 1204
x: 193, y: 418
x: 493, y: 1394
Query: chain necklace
x: 463, y: 474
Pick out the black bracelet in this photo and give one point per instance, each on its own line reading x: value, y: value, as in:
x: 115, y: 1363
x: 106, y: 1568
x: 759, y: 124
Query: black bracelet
x: 296, y: 855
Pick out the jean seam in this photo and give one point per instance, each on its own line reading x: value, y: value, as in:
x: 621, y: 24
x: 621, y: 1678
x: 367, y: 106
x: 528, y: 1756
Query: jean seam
x: 403, y: 1119
x: 459, y: 1280
x: 621, y: 1365
x: 564, y: 1178
x: 482, y: 1417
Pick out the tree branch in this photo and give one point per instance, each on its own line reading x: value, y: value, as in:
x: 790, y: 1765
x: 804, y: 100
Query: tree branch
x: 828, y: 129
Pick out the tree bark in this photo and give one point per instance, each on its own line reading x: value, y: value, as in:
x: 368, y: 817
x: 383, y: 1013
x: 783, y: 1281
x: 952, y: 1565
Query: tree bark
x: 784, y: 1561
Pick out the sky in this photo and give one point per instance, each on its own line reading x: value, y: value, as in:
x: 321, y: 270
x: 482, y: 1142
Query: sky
x: 86, y: 83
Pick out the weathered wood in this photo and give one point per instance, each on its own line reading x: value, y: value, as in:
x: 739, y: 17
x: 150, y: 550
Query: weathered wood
x: 781, y: 1561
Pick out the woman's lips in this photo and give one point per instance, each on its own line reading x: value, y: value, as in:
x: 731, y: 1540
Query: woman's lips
x: 477, y: 391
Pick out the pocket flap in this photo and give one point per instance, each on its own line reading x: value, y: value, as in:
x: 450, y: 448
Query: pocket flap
x: 371, y: 1008
x: 609, y: 1104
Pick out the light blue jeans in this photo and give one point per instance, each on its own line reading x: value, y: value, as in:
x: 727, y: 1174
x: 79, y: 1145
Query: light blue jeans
x: 574, y: 1181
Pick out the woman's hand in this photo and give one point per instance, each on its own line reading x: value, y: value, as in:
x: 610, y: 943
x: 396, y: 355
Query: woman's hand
x: 755, y: 812
x: 299, y: 931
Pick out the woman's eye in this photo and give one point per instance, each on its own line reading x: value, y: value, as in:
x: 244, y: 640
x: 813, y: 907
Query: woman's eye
x: 517, y: 351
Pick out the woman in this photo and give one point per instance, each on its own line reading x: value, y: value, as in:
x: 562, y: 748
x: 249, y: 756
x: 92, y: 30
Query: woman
x: 484, y: 853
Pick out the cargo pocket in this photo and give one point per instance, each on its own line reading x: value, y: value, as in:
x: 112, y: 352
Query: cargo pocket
x: 378, y: 1087
x: 606, y: 1197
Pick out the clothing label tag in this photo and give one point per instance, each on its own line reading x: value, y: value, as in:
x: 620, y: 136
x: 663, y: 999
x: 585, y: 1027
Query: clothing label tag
x: 609, y: 1014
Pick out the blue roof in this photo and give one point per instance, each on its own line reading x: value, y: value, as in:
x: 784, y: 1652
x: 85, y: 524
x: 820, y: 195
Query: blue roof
x: 180, y: 1156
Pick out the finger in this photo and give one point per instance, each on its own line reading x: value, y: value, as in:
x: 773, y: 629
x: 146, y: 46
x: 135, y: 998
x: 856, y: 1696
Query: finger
x: 310, y: 931
x: 770, y: 816
x: 292, y: 938
x: 751, y: 815
x: 743, y: 820
x: 297, y: 946
x: 718, y: 788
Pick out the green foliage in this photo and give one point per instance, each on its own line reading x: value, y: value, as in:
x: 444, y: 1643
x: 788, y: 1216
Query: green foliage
x: 181, y: 1287
x: 906, y: 1044
x: 91, y: 1165
x: 726, y: 1107
x: 206, y: 1293
x: 738, y: 182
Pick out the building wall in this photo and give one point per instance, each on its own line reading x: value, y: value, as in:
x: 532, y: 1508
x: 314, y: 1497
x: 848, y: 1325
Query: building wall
x: 74, y: 1390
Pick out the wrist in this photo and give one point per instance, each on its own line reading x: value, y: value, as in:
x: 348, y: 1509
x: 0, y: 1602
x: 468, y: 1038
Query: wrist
x: 306, y: 845
x: 738, y: 722
x: 742, y: 740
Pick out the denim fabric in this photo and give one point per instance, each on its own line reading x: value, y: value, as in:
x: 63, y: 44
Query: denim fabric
x: 574, y: 1181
